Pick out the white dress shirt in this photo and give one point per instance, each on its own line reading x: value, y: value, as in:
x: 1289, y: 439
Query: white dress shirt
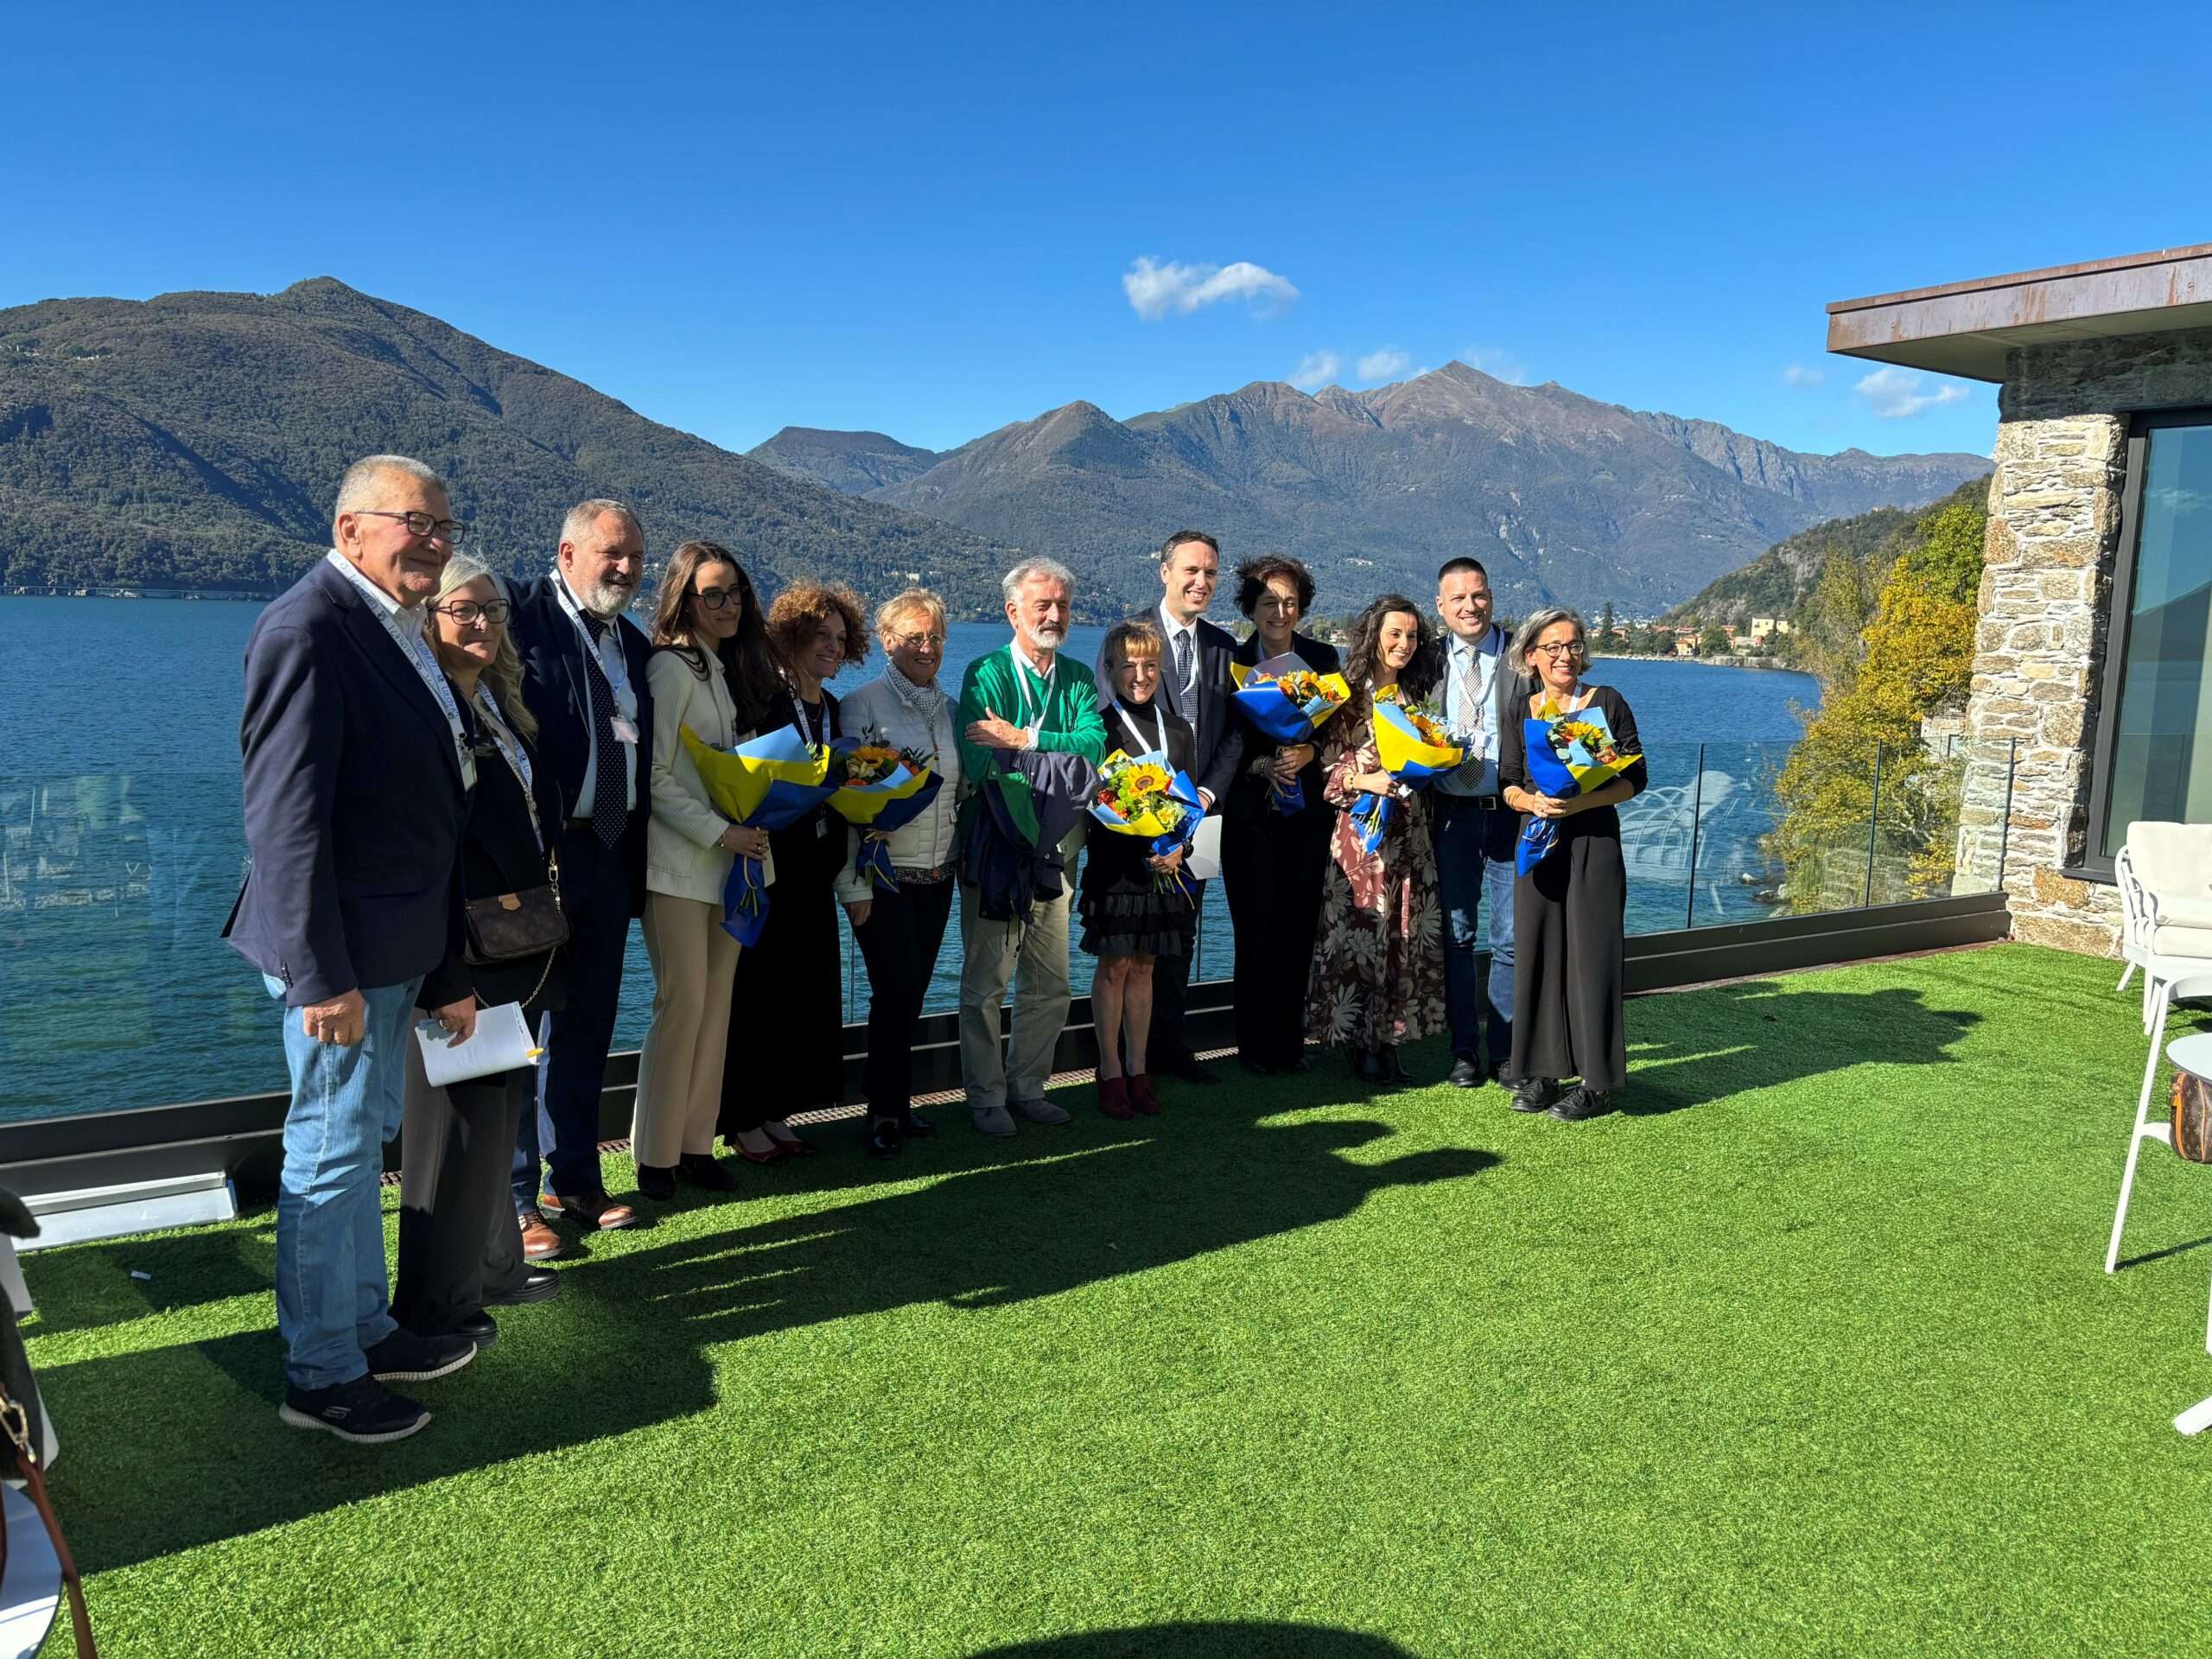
x: 1470, y: 671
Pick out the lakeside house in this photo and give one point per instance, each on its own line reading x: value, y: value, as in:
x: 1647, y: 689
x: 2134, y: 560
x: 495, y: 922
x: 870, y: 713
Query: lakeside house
x: 2094, y: 653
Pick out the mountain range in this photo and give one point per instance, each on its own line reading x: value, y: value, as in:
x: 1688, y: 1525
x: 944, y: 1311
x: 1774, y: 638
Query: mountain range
x: 194, y: 439
x: 1562, y: 497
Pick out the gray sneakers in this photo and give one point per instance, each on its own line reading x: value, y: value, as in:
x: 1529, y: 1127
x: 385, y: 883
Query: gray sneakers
x: 1040, y: 1110
x: 990, y: 1120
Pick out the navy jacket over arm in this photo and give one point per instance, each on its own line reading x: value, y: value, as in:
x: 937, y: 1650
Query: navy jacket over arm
x: 353, y: 802
x: 555, y: 688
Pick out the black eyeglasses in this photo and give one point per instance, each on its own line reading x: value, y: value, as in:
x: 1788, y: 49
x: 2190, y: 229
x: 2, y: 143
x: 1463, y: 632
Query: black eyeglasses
x: 466, y: 611
x: 451, y: 531
x: 717, y: 599
x: 1563, y: 648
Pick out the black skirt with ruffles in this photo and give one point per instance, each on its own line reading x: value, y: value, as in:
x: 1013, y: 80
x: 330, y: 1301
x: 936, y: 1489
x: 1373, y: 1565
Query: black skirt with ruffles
x: 1123, y: 912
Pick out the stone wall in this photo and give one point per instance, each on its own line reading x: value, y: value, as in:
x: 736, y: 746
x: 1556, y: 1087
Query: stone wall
x: 2047, y: 574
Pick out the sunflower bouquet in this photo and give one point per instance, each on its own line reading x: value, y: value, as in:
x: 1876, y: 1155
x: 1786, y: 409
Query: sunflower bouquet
x: 766, y: 783
x: 1569, y: 754
x: 1144, y: 795
x: 1411, y: 745
x: 1287, y: 703
x: 879, y: 789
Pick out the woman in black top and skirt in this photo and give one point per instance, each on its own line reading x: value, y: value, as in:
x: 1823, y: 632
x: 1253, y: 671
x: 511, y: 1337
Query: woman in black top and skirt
x: 1128, y: 921
x: 1272, y: 862
x: 459, y: 1249
x: 787, y: 1012
x: 1569, y: 913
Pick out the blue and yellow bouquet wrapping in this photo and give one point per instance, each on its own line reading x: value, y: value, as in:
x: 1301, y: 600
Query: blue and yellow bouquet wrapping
x: 878, y: 788
x: 1144, y: 795
x: 768, y: 783
x: 1414, y: 748
x: 1569, y: 754
x: 1287, y: 703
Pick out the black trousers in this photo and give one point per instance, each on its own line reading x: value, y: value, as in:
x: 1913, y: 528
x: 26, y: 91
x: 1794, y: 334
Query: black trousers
x: 1272, y: 864
x: 1569, y: 915
x: 899, y: 944
x: 1164, y: 1042
x: 788, y: 1003
x: 458, y: 1240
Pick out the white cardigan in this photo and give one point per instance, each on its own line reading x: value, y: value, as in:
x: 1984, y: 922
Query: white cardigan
x: 681, y: 859
x: 927, y: 842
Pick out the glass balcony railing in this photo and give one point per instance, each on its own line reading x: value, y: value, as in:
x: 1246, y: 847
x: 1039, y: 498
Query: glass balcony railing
x: 117, y: 991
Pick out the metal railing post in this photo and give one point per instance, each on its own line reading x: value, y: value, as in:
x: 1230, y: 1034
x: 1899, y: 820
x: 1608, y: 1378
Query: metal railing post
x: 1873, y: 822
x: 2005, y: 828
x: 1697, y: 804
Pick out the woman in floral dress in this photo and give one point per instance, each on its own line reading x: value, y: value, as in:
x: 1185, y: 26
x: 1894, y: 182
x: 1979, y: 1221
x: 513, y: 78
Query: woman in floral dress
x: 1378, y: 962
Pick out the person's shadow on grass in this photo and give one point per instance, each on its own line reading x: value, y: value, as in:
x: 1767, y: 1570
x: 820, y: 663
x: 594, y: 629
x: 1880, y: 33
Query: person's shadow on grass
x: 1207, y: 1641
x: 172, y: 1447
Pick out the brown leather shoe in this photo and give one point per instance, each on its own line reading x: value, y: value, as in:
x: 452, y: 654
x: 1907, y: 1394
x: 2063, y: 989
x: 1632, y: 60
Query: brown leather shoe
x: 539, y: 1241
x: 596, y: 1209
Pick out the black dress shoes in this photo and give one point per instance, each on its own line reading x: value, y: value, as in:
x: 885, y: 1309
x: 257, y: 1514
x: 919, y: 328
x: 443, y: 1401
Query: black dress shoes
x: 1466, y: 1072
x: 535, y: 1285
x: 657, y: 1181
x: 478, y: 1327
x: 917, y: 1127
x: 1394, y: 1068
x: 705, y: 1170
x: 1367, y: 1065
x: 885, y: 1138
x: 1532, y: 1094
x: 1582, y: 1102
x: 1257, y: 1068
x: 1187, y: 1068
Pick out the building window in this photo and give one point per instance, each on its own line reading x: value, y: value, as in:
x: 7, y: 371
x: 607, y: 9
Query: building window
x: 2154, y: 738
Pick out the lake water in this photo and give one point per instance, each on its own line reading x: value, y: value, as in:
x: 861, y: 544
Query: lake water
x: 121, y: 848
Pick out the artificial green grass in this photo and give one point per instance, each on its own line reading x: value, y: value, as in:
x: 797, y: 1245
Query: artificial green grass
x: 1807, y: 1350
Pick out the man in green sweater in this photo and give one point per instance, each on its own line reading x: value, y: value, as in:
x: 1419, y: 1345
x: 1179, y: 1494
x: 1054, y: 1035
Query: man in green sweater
x: 1024, y: 699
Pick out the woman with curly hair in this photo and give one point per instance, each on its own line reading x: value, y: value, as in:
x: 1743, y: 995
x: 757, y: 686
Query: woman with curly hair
x: 787, y: 1025
x: 1377, y: 979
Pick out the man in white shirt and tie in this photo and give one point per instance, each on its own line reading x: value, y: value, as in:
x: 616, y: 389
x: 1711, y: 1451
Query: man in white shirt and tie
x: 1475, y: 830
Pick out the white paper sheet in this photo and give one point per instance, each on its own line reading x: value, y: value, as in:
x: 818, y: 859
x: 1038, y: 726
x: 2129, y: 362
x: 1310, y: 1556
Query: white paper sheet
x: 502, y: 1042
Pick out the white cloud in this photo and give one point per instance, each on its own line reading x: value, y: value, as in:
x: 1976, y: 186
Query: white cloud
x: 1316, y: 370
x: 1798, y: 375
x: 1155, y: 288
x: 1384, y: 364
x: 1497, y: 363
x: 1895, y: 394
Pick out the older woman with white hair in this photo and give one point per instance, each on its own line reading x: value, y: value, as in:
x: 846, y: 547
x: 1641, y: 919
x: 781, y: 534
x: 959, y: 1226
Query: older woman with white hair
x: 901, y: 930
x: 1569, y: 913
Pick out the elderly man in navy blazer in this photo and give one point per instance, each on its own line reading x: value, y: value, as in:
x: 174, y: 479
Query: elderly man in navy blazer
x: 1194, y: 679
x: 357, y: 769
x: 583, y: 676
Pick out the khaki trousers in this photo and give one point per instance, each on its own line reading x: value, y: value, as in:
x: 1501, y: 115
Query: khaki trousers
x: 680, y: 1069
x: 1034, y: 955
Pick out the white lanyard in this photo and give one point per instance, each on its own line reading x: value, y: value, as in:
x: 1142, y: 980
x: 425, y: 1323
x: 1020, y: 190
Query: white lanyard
x: 611, y: 663
x: 804, y: 720
x: 1159, y: 727
x: 511, y: 751
x: 1022, y: 674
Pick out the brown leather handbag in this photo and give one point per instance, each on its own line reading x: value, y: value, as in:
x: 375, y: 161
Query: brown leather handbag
x: 510, y: 925
x: 2192, y: 1110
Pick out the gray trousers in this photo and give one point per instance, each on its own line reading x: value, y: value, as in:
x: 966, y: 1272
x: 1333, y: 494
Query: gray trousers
x: 1034, y: 955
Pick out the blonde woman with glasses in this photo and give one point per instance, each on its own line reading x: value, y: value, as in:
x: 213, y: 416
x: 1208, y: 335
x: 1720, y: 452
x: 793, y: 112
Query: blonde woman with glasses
x: 1569, y: 913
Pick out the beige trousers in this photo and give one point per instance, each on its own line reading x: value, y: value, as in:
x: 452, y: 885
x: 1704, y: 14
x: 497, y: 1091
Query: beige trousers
x: 1034, y: 955
x: 680, y: 1069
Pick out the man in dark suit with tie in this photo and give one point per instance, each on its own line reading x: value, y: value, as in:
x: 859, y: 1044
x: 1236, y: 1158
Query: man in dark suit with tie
x: 583, y: 666
x: 356, y: 778
x: 1194, y: 679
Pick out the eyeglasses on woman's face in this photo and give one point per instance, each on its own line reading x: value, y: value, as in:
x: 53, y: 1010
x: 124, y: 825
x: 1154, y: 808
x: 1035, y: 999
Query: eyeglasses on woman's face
x: 919, y: 641
x: 717, y: 599
x: 469, y: 612
x: 1558, y: 649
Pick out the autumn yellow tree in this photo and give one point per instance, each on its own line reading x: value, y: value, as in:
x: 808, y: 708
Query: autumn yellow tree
x: 1861, y: 775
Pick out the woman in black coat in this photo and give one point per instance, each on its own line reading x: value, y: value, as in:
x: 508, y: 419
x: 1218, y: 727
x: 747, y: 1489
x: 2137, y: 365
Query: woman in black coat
x: 787, y: 1008
x: 459, y: 1249
x: 1570, y: 911
x: 1271, y: 861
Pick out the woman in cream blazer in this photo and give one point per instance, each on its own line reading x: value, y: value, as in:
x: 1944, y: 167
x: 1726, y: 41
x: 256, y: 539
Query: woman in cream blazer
x: 705, y: 600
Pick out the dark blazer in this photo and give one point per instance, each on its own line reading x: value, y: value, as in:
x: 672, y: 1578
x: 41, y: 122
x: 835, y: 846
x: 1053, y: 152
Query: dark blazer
x: 1175, y: 731
x: 353, y: 802
x: 1509, y: 691
x: 499, y: 854
x: 554, y: 685
x: 1216, y: 731
x: 1250, y: 793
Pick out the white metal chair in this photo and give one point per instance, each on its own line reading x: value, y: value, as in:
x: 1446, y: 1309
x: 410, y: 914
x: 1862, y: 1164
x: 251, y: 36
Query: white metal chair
x: 2170, y: 990
x: 2164, y: 873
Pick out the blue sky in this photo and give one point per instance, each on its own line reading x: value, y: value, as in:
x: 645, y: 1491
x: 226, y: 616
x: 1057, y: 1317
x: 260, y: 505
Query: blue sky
x: 927, y: 221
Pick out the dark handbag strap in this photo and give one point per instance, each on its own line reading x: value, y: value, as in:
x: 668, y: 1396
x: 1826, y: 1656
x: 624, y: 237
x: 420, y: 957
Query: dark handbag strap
x: 16, y: 1421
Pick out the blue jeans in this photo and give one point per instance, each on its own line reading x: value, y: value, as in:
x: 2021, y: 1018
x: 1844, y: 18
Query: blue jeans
x: 332, y: 1298
x: 1474, y: 863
